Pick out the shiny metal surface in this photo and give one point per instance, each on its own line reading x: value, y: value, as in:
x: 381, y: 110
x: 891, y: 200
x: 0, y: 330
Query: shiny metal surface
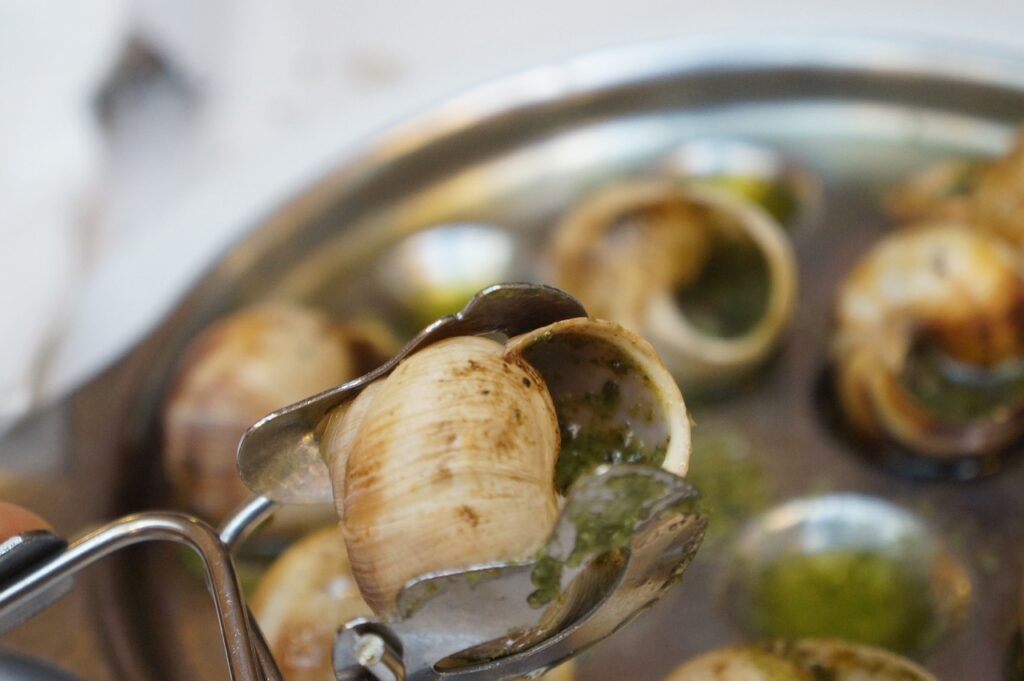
x: 434, y: 272
x: 850, y: 522
x: 29, y: 584
x: 477, y: 624
x: 14, y: 667
x: 279, y: 456
x: 757, y: 171
x: 857, y: 114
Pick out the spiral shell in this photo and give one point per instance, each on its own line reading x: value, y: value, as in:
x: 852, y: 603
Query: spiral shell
x: 739, y: 664
x: 801, y: 660
x: 455, y: 458
x: 638, y: 253
x: 460, y: 443
x: 238, y: 370
x: 305, y: 596
x: 301, y: 601
x: 951, y: 287
x: 988, y: 195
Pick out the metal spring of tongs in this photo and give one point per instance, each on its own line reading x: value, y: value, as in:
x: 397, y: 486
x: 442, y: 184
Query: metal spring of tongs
x: 479, y: 623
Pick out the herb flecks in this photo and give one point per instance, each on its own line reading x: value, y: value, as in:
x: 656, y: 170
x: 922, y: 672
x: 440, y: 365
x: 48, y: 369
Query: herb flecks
x: 547, y: 577
x: 854, y: 595
x: 601, y: 526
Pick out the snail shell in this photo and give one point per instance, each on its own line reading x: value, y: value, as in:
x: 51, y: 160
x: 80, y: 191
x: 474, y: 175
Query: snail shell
x: 631, y: 251
x: 453, y: 459
x: 988, y: 195
x: 940, y: 192
x: 305, y: 596
x: 741, y: 663
x: 801, y: 660
x: 452, y: 464
x: 237, y: 371
x: 960, y: 290
x: 301, y: 601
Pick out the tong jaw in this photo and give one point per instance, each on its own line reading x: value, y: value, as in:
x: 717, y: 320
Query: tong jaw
x: 625, y: 535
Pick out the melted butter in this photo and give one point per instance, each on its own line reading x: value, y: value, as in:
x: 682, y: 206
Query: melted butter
x: 948, y: 397
x: 852, y: 595
x: 730, y: 296
x: 607, y: 410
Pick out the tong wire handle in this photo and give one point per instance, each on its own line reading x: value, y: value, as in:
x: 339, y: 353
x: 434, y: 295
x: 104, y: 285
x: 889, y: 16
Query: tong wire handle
x: 29, y: 575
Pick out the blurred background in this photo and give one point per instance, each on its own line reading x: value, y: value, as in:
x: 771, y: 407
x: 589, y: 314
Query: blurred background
x: 140, y: 139
x: 143, y: 136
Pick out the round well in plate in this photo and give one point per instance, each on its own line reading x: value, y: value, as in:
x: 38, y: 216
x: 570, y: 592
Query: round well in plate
x: 846, y: 566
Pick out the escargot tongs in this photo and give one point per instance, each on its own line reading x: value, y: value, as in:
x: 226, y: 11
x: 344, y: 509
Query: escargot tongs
x: 624, y: 536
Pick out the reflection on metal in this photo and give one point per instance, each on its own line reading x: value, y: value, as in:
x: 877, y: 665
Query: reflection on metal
x: 480, y: 622
x: 788, y: 191
x: 29, y: 574
x: 482, y: 612
x: 279, y: 457
x: 842, y: 526
x: 434, y: 272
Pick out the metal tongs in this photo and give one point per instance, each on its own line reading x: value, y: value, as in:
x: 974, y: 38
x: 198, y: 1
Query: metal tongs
x: 625, y: 535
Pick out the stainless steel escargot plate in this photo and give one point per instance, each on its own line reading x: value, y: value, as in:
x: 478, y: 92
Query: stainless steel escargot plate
x: 860, y: 115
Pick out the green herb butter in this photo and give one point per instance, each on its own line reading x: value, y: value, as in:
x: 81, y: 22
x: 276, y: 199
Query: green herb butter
x: 857, y: 596
x: 731, y: 294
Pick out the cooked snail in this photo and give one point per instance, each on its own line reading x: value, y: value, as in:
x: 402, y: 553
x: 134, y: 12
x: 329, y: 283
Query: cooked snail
x: 985, y: 194
x: 951, y: 291
x: 459, y: 456
x: 802, y: 660
x: 304, y: 598
x: 238, y: 370
x: 708, y: 278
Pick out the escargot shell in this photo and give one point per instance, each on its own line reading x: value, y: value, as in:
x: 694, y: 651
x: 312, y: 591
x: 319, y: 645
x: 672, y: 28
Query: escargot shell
x: 301, y: 601
x: 957, y: 289
x: 739, y: 664
x: 613, y: 396
x: 238, y: 370
x: 985, y: 194
x: 633, y: 251
x: 456, y: 458
x: 452, y: 464
x: 305, y: 596
x: 801, y: 660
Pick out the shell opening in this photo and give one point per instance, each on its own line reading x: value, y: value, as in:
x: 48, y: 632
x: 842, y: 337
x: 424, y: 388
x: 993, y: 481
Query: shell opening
x: 467, y: 443
x: 608, y: 409
x: 708, y: 278
x: 957, y: 392
x: 730, y: 294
